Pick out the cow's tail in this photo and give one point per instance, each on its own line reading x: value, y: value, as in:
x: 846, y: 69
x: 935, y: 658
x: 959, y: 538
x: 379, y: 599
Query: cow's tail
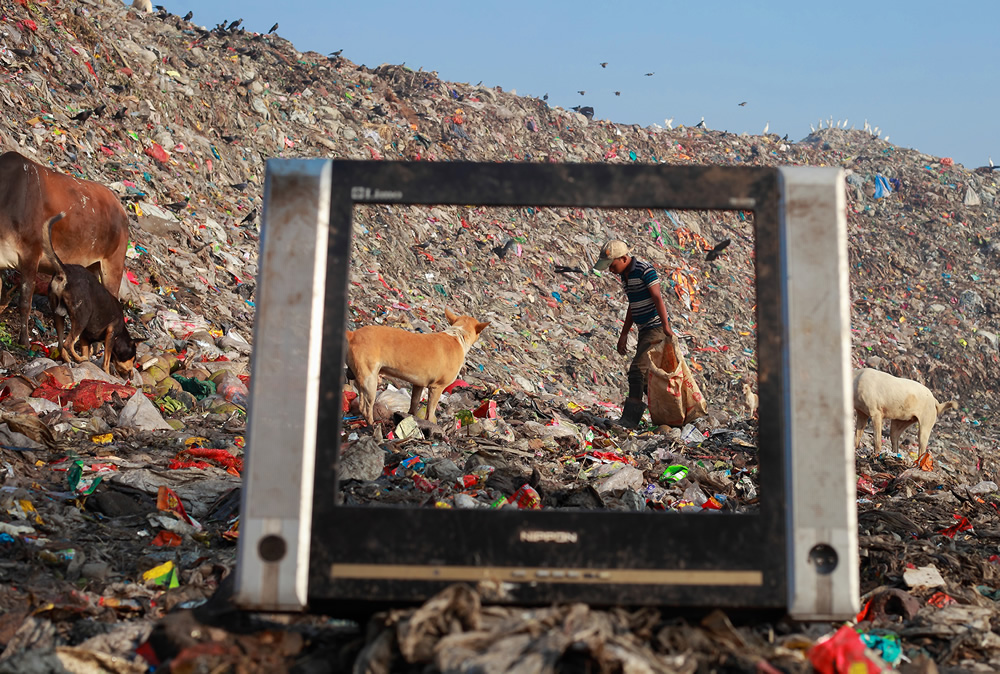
x: 47, y: 238
x: 950, y: 405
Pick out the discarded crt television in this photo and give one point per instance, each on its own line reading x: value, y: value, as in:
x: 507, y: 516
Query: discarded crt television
x: 797, y: 554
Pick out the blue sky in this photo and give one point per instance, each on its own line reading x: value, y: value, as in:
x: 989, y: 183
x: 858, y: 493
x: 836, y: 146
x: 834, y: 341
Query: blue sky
x: 925, y: 73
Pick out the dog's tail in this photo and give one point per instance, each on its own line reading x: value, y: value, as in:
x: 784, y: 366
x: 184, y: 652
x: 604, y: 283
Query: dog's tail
x: 950, y: 405
x: 47, y: 238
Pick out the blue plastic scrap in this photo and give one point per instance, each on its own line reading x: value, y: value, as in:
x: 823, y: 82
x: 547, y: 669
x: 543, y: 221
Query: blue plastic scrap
x: 882, y: 186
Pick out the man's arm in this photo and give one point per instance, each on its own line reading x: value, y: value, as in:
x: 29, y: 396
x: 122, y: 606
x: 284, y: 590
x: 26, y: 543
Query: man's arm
x: 661, y: 309
x: 626, y: 327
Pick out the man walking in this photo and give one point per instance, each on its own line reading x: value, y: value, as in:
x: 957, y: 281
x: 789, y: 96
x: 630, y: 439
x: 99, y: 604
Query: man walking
x: 641, y: 284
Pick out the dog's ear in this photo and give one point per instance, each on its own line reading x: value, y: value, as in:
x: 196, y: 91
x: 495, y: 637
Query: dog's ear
x: 450, y: 316
x: 481, y: 326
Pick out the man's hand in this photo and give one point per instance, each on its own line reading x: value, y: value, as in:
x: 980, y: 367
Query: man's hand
x: 623, y: 344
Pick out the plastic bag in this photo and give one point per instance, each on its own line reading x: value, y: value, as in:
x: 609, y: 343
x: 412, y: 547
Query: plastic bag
x: 882, y: 186
x: 674, y: 398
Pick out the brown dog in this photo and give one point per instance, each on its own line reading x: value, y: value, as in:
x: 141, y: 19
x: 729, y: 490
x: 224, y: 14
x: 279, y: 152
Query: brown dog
x: 430, y: 361
x: 93, y: 312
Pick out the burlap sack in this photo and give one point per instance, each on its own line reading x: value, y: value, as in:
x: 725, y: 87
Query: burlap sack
x: 674, y: 398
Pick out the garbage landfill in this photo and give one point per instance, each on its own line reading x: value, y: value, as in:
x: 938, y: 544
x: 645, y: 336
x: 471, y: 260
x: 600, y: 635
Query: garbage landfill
x: 119, y: 501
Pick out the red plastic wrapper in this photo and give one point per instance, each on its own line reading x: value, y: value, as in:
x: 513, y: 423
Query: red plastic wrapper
x: 168, y: 501
x: 711, y: 504
x: 842, y: 653
x: 157, y: 152
x: 488, y: 410
x: 963, y: 525
x: 866, y: 486
x: 87, y: 395
x: 423, y: 484
x: 458, y: 383
x: 188, y: 458
x: 611, y: 456
x: 940, y: 599
x: 348, y: 397
x: 167, y: 539
x: 526, y: 498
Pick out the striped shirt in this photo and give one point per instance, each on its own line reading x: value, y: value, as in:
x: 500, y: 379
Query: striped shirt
x: 636, y: 282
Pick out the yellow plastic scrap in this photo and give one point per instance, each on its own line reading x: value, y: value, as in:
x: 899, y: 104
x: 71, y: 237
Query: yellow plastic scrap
x: 196, y: 440
x: 27, y: 509
x: 103, y: 439
x: 164, y: 574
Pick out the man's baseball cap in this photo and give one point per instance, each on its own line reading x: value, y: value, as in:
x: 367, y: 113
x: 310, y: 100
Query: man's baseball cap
x: 610, y: 251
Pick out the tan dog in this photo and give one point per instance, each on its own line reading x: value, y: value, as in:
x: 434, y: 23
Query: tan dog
x: 749, y: 399
x: 430, y: 361
x: 879, y: 395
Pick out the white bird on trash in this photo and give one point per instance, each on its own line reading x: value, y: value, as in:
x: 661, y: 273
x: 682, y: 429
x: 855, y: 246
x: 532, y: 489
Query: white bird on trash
x: 812, y: 129
x: 867, y: 128
x: 886, y: 139
x: 767, y: 125
x: 701, y: 124
x: 669, y: 121
x: 845, y: 123
x: 991, y: 162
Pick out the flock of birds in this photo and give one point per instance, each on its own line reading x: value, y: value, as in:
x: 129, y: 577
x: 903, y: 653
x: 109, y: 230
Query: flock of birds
x: 669, y: 122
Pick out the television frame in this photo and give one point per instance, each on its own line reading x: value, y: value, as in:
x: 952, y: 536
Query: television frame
x: 797, y: 554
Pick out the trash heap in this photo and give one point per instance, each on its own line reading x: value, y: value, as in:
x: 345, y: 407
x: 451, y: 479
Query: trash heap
x: 119, y: 501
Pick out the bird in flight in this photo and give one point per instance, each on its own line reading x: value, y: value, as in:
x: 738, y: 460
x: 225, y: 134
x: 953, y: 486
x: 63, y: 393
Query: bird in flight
x: 650, y: 74
x: 604, y: 64
x: 719, y: 247
x: 742, y: 104
x: 618, y: 93
x: 581, y: 92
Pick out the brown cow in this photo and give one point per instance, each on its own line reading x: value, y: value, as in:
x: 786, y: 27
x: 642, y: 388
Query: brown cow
x: 93, y: 234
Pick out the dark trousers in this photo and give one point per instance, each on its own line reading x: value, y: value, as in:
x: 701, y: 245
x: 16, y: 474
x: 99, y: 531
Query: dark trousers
x: 638, y: 372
